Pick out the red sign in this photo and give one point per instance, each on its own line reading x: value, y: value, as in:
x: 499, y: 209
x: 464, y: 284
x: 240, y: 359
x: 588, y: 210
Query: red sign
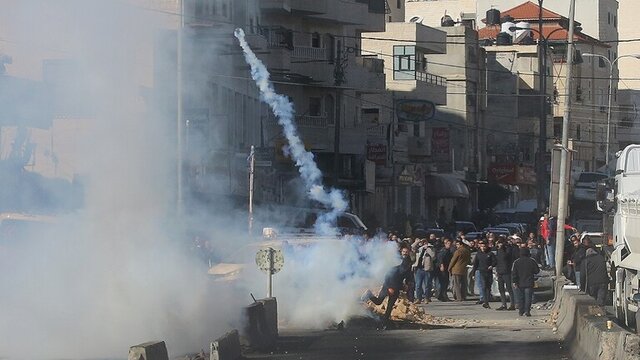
x: 377, y: 153
x: 503, y: 173
x: 512, y: 174
x: 440, y: 143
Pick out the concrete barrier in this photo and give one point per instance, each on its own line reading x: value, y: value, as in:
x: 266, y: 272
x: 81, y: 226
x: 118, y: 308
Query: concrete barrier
x: 261, y: 324
x: 226, y: 347
x: 583, y: 326
x: 154, y: 350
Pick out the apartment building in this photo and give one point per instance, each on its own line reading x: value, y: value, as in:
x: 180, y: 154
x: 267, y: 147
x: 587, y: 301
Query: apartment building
x: 627, y: 128
x: 416, y: 142
x: 588, y: 125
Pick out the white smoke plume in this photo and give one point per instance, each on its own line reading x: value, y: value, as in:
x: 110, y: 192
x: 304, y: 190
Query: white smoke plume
x: 320, y: 284
x: 283, y: 109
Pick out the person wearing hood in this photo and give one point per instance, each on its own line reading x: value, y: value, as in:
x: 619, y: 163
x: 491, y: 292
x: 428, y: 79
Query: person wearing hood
x: 523, y: 276
x: 424, y: 271
x: 594, y: 276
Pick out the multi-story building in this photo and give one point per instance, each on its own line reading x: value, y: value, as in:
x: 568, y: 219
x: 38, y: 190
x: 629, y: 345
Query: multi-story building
x: 312, y: 50
x: 627, y: 128
x: 413, y: 93
x: 588, y: 118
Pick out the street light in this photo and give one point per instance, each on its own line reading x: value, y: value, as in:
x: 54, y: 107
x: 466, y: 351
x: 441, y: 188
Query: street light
x: 611, y: 63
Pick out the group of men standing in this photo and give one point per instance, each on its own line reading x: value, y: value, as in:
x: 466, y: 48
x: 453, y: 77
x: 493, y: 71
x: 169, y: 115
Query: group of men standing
x: 429, y: 265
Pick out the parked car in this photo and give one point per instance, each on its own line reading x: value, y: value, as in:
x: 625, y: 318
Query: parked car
x: 513, y: 228
x: 585, y: 186
x: 497, y: 231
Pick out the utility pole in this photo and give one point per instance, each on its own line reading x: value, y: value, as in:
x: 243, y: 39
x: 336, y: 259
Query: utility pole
x: 252, y: 168
x: 564, y: 158
x: 338, y: 80
x: 542, y: 139
x: 179, y: 121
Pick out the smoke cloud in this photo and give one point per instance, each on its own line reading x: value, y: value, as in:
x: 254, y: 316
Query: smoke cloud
x: 116, y: 271
x: 320, y: 283
x: 283, y: 109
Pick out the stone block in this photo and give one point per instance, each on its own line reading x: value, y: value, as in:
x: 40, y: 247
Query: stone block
x: 153, y: 350
x: 226, y: 347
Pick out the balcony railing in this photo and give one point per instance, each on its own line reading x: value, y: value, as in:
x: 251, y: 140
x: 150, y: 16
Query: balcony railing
x: 309, y: 53
x: 277, y: 36
x: 311, y: 121
x: 431, y: 78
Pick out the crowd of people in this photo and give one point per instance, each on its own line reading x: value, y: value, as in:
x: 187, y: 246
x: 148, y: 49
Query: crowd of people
x: 434, y: 267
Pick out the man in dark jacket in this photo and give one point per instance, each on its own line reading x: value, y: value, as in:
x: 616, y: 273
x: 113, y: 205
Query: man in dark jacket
x: 443, y: 260
x: 484, y: 262
x: 394, y: 281
x: 522, y: 275
x: 594, y: 275
x: 579, y: 252
x: 504, y: 261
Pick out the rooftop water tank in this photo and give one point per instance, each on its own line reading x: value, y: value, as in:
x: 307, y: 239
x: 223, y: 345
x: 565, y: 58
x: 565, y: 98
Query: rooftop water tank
x: 506, y: 28
x: 522, y: 32
x: 493, y: 17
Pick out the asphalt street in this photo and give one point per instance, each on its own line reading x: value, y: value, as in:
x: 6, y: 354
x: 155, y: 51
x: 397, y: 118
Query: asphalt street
x: 477, y: 334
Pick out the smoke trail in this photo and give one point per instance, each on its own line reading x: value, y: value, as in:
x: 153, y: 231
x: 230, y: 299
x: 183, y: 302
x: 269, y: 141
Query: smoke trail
x: 283, y: 109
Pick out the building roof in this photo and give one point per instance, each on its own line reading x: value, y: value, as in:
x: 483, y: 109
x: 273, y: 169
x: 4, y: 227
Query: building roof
x: 551, y: 32
x: 528, y: 11
x: 551, y: 28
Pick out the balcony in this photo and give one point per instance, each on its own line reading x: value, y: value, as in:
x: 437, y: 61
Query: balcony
x: 275, y: 6
x: 309, y: 53
x: 309, y: 6
x: 420, y: 85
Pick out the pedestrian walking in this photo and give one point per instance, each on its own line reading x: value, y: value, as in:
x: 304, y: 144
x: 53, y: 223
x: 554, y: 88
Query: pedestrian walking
x: 522, y: 274
x: 483, y: 265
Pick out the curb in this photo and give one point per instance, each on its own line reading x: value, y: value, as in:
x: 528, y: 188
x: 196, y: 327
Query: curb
x: 583, y: 326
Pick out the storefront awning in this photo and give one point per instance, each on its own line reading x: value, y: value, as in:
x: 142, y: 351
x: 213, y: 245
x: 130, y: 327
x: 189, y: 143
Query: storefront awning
x: 446, y: 186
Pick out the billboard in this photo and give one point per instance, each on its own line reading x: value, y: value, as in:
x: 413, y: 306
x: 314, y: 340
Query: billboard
x: 415, y: 110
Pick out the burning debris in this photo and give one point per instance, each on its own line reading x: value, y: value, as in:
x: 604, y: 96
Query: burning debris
x: 406, y: 311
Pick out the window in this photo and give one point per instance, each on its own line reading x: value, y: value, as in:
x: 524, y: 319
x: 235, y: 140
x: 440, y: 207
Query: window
x: 315, y: 106
x: 399, y: 4
x: 316, y: 41
x: 609, y: 18
x: 578, y: 135
x: 404, y: 62
x: 224, y: 9
x: 601, y: 62
x: 615, y: 21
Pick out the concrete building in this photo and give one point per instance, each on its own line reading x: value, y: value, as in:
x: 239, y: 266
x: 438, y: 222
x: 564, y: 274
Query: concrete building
x: 627, y: 128
x: 591, y: 81
x: 413, y: 94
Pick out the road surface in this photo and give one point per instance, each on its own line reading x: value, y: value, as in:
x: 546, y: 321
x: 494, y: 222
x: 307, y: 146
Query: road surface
x: 489, y: 334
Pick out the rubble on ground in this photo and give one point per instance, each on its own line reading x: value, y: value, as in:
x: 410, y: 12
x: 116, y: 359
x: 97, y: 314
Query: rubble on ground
x: 406, y: 311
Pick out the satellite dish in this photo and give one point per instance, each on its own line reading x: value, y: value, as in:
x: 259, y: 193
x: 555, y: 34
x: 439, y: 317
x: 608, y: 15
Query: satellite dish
x: 416, y: 19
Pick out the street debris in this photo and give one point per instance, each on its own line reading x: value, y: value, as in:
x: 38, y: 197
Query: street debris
x: 406, y: 311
